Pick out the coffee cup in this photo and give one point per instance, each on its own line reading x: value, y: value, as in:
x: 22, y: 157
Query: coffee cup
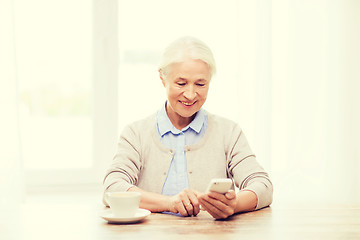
x: 123, y: 204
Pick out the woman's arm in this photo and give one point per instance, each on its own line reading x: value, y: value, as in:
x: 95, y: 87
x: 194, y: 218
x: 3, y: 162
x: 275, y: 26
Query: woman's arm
x: 253, y: 182
x: 246, y: 171
x: 185, y: 203
x: 152, y: 201
x: 246, y: 201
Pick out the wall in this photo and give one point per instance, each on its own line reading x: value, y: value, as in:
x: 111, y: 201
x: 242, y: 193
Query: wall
x: 315, y: 78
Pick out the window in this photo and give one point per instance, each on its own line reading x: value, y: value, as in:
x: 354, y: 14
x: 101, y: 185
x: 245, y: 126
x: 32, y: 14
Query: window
x: 54, y: 64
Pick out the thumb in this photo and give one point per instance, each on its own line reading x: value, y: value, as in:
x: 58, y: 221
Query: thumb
x: 230, y: 194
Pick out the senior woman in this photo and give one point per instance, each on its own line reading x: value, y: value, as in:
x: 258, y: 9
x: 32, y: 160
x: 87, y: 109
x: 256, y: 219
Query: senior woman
x: 172, y: 155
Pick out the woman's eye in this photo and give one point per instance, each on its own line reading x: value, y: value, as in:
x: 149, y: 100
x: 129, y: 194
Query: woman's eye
x: 181, y: 84
x: 200, y: 84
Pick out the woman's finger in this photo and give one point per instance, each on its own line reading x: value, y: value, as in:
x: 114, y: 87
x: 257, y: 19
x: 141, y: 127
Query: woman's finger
x: 195, y: 203
x: 211, y: 209
x: 224, y: 198
x: 189, y: 207
x: 186, y: 202
x: 230, y: 195
x: 181, y: 209
x: 178, y: 206
x: 218, y: 205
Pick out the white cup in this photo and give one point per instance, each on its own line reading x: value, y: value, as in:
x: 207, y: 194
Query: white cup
x: 123, y: 204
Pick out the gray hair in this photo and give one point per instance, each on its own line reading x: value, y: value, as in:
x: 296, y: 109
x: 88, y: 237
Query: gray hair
x: 187, y: 48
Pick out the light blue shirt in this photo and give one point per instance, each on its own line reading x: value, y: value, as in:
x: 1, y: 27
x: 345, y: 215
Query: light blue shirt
x: 173, y: 138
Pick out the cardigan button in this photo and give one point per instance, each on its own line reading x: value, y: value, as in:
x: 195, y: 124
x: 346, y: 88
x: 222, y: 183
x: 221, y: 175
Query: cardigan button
x: 190, y: 172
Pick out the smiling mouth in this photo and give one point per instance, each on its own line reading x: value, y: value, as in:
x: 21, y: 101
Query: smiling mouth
x: 187, y: 103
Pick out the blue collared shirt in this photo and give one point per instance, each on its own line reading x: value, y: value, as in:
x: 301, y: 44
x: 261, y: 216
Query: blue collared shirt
x: 173, y: 138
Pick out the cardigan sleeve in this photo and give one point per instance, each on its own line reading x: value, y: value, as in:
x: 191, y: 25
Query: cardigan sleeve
x: 246, y: 171
x: 124, y: 170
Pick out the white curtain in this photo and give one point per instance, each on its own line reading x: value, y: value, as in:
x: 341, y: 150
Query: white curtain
x: 10, y: 155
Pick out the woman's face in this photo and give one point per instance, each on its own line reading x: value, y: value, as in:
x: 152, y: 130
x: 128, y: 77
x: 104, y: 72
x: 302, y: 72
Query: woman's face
x: 187, y: 85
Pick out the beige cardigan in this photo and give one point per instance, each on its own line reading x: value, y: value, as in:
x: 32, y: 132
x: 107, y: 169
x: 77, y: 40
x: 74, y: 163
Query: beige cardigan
x: 142, y: 160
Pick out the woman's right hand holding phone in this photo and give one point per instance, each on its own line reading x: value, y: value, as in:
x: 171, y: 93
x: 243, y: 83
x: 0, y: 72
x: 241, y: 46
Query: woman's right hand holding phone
x: 219, y: 205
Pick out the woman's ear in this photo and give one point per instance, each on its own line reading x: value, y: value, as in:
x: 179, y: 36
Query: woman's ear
x: 162, y: 77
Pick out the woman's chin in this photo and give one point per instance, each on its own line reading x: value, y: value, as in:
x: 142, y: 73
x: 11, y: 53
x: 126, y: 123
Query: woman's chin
x: 187, y: 114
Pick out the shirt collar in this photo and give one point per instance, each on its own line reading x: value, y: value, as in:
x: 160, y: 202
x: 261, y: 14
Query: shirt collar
x: 198, y: 121
x: 165, y: 125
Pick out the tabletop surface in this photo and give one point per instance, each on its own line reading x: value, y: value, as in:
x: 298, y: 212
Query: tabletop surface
x: 83, y: 221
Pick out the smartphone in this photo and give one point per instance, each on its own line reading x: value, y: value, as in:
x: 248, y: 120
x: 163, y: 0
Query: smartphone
x: 220, y: 185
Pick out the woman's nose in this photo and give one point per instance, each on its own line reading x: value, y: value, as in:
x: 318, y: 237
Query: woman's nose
x: 190, y: 93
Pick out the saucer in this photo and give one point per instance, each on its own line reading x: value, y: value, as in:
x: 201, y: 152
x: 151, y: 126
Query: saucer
x: 139, y: 215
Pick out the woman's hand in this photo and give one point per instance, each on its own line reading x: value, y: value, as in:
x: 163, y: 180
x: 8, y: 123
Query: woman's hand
x: 220, y: 206
x: 186, y: 203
